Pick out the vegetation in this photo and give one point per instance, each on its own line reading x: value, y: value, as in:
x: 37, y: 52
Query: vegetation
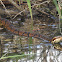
x: 58, y: 7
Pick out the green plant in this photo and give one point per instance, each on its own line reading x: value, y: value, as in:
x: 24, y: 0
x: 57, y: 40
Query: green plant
x: 59, y: 9
x: 16, y: 56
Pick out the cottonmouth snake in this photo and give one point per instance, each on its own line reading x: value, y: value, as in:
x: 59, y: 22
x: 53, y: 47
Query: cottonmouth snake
x: 11, y: 28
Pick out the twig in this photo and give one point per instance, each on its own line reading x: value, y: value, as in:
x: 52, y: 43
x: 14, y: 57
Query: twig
x: 10, y: 11
x: 5, y: 7
x: 31, y: 6
x: 12, y: 2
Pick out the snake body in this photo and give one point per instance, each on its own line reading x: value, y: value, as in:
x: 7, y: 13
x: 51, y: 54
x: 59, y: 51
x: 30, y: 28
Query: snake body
x: 11, y: 28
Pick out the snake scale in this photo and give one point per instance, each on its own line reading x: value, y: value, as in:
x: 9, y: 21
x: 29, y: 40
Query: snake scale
x: 11, y: 28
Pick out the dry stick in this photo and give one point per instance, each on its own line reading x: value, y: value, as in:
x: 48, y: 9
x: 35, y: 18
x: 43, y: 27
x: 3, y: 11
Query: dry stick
x: 3, y: 4
x: 12, y: 2
x: 10, y: 11
x: 31, y: 6
x: 5, y: 7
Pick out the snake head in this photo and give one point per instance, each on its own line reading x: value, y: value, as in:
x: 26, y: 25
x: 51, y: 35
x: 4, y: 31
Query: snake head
x: 57, y: 39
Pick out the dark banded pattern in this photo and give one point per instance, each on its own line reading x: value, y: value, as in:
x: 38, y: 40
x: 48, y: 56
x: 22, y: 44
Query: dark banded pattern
x: 11, y: 28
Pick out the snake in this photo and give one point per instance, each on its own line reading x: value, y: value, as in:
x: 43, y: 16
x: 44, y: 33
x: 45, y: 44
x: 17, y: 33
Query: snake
x: 11, y: 28
x: 55, y: 40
